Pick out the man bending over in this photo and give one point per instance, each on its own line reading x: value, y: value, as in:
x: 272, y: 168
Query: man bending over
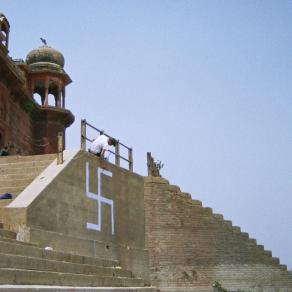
x: 100, y: 145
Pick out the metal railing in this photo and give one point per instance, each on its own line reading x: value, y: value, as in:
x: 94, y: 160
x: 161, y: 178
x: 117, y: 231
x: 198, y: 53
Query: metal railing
x: 119, y: 144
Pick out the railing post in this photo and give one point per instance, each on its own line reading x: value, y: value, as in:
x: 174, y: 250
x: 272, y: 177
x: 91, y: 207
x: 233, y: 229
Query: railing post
x: 130, y: 158
x: 60, y: 148
x: 83, y: 135
x: 117, y: 150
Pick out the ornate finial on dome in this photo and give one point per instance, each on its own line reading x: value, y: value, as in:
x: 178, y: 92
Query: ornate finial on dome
x: 44, y: 41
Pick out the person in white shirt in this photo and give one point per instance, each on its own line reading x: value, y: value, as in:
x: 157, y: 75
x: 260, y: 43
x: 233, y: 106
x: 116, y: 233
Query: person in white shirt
x: 100, y: 145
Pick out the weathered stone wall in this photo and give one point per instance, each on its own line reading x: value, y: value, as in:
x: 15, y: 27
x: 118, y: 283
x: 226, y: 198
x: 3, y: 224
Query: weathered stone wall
x: 55, y: 211
x: 15, y: 124
x: 189, y: 246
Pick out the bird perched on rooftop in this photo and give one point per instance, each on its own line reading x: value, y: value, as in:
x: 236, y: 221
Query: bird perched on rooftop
x: 43, y: 41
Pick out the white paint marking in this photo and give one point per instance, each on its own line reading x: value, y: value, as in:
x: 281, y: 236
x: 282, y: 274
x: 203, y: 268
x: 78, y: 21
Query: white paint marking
x: 99, y: 198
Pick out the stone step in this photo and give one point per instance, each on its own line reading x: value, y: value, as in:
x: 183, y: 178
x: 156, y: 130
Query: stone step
x: 276, y: 260
x: 39, y: 264
x: 74, y: 258
x: 228, y: 223
x: 7, y: 234
x: 283, y: 267
x: 250, y: 242
x: 18, y: 158
x: 20, y: 182
x: 12, y: 190
x: 12, y: 241
x: 4, y: 203
x: 196, y: 203
x: 28, y: 277
x: 9, y: 246
x: 174, y: 188
x: 43, y: 288
x: 236, y: 229
x: 23, y: 165
x: 187, y: 195
x: 34, y: 171
x: 218, y: 217
x: 12, y: 176
x: 207, y: 211
x: 244, y: 234
x: 253, y: 241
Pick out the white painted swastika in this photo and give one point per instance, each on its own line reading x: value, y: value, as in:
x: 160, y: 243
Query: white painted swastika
x: 99, y: 198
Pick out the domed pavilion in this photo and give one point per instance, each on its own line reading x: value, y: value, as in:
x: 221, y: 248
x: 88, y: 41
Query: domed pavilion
x: 32, y: 98
x: 47, y: 74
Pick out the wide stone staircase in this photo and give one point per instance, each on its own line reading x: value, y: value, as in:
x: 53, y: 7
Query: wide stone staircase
x: 28, y: 264
x: 28, y: 267
x: 239, y: 237
x: 17, y: 172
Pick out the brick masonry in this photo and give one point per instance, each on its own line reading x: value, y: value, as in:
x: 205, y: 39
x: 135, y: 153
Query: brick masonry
x: 189, y: 246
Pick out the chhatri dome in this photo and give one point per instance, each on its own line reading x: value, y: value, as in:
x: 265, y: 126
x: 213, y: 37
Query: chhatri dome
x: 45, y: 67
x: 45, y: 56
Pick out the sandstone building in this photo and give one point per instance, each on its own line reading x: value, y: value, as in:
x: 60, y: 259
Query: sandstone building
x: 28, y: 122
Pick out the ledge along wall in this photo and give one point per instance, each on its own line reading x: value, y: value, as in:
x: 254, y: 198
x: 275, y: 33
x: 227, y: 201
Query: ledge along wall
x: 189, y: 247
x: 81, y: 208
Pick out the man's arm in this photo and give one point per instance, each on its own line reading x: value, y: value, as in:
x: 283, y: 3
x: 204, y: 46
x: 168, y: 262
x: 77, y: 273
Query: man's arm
x: 102, y: 153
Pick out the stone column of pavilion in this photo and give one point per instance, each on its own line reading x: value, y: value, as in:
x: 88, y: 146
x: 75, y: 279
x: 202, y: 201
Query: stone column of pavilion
x: 46, y: 76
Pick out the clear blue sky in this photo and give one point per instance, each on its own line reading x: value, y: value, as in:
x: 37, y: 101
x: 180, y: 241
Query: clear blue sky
x: 204, y: 85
